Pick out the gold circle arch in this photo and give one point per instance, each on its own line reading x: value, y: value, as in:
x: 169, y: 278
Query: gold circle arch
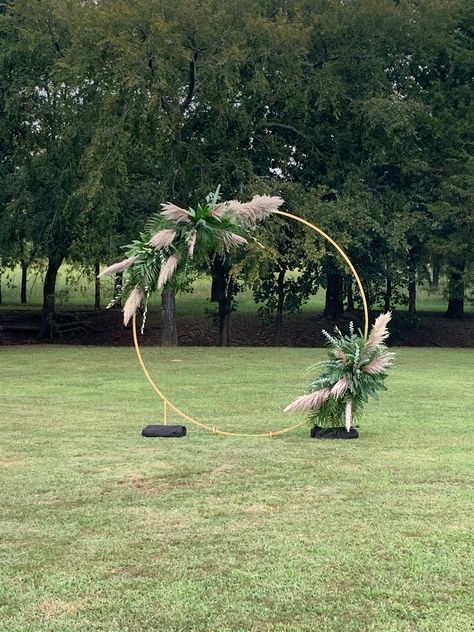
x: 169, y: 406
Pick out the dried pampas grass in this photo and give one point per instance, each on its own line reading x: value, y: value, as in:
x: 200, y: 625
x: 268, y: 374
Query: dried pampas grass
x: 219, y: 209
x: 175, y: 213
x: 251, y: 212
x: 340, y: 387
x: 379, y: 332
x: 348, y: 415
x: 167, y: 271
x: 133, y: 303
x: 379, y: 364
x: 340, y: 355
x: 231, y: 239
x: 313, y: 401
x: 117, y: 267
x: 163, y: 239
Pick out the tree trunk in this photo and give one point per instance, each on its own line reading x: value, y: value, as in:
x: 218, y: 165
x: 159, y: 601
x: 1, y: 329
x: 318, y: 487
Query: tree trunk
x: 214, y: 289
x: 97, y: 287
x: 225, y: 310
x: 224, y: 329
x: 334, y: 306
x: 280, y: 306
x: 224, y: 289
x: 24, y: 280
x: 456, y: 293
x: 411, y: 284
x: 350, y: 296
x: 388, y: 295
x: 49, y: 290
x: 412, y: 297
x: 368, y: 294
x: 1, y: 298
x: 169, y: 331
x: 436, y: 274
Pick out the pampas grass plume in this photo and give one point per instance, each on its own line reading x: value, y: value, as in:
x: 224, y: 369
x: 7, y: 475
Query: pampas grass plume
x: 379, y: 332
x: 258, y: 208
x: 379, y: 364
x: 133, y: 303
x: 231, y: 239
x: 313, y: 401
x: 192, y: 242
x: 175, y: 213
x: 340, y: 387
x: 340, y: 355
x: 219, y: 210
x: 163, y: 239
x: 167, y: 271
x: 117, y: 267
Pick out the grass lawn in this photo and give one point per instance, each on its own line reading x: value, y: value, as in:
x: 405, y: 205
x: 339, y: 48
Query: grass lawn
x: 101, y: 529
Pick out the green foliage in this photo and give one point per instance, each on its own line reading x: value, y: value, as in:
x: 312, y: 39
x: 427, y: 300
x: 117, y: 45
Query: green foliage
x: 355, y: 370
x: 363, y: 108
x: 296, y: 290
x: 209, y: 231
x: 146, y: 268
x: 283, y: 267
x: 362, y: 385
x: 177, y: 240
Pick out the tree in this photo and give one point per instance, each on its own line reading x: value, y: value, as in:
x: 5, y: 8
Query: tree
x: 52, y: 118
x: 449, y: 125
x: 282, y: 264
x: 352, y: 128
x: 110, y: 107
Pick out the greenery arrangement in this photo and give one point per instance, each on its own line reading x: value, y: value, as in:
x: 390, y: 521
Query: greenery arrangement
x: 356, y: 370
x: 175, y: 238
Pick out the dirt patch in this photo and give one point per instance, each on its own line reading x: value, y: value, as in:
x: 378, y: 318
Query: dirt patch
x: 302, y: 330
x: 157, y: 485
x: 54, y: 608
x: 128, y: 571
x: 12, y: 462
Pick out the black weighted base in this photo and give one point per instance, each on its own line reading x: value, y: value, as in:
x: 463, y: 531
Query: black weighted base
x: 333, y: 433
x: 164, y: 431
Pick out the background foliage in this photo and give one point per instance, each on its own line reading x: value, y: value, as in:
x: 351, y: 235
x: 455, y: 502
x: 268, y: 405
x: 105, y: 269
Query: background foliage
x: 360, y: 114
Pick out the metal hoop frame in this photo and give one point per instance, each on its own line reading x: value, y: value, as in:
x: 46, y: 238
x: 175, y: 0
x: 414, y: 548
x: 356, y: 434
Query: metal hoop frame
x: 168, y: 405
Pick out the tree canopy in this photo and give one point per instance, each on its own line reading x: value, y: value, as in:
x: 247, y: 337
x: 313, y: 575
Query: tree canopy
x: 358, y: 113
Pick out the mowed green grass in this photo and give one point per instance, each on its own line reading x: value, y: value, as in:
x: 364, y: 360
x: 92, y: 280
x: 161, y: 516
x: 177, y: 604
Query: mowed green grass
x: 102, y: 529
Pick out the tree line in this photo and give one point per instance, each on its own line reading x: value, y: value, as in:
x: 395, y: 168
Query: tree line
x: 358, y: 113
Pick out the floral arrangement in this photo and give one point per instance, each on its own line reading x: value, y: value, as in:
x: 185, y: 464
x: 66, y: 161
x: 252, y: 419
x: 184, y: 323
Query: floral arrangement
x: 176, y: 237
x: 355, y: 370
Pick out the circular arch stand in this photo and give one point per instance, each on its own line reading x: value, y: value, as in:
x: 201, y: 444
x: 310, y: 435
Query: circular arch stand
x: 169, y: 406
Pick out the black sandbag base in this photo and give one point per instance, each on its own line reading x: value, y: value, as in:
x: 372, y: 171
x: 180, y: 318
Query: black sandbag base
x: 164, y: 431
x: 333, y: 433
